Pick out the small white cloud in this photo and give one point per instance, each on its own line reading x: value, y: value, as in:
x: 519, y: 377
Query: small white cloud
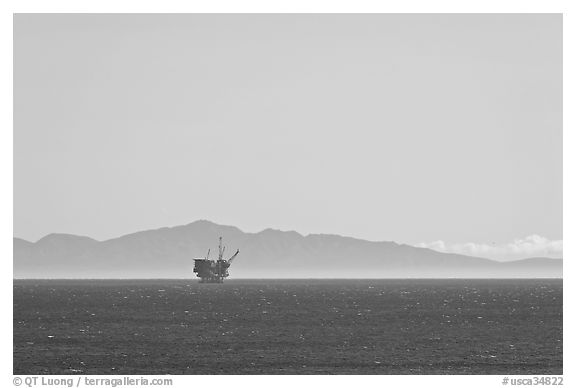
x: 530, y: 246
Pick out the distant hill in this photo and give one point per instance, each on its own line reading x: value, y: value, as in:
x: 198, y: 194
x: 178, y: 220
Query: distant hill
x: 168, y: 253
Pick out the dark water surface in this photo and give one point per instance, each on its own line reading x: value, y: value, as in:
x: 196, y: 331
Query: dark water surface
x: 288, y: 326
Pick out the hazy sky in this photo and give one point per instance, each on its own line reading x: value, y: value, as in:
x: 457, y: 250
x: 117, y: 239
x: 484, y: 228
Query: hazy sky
x: 412, y: 128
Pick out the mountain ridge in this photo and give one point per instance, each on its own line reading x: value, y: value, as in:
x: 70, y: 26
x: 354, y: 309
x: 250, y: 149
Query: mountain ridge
x: 167, y: 252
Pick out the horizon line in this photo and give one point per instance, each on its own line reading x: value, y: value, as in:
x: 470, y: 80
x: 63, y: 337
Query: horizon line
x: 313, y: 278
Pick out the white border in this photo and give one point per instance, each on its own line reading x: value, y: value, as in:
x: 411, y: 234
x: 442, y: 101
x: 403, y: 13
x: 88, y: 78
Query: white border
x: 294, y: 6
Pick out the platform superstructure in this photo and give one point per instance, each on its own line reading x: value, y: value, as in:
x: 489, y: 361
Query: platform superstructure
x: 214, y: 271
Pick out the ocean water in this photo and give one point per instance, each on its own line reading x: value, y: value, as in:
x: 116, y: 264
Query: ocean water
x: 288, y: 327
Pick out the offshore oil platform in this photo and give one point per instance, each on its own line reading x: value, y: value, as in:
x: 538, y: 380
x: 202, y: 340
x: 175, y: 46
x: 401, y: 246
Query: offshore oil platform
x: 214, y: 271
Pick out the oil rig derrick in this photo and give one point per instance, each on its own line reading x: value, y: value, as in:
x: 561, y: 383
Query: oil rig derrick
x: 214, y: 271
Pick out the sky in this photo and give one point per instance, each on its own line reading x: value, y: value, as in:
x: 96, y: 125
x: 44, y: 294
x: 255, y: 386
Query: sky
x: 433, y: 130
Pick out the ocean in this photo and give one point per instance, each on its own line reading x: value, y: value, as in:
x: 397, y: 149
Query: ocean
x: 288, y: 327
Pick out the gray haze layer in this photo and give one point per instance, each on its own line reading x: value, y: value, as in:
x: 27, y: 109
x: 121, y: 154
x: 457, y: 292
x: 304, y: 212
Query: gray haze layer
x: 407, y: 128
